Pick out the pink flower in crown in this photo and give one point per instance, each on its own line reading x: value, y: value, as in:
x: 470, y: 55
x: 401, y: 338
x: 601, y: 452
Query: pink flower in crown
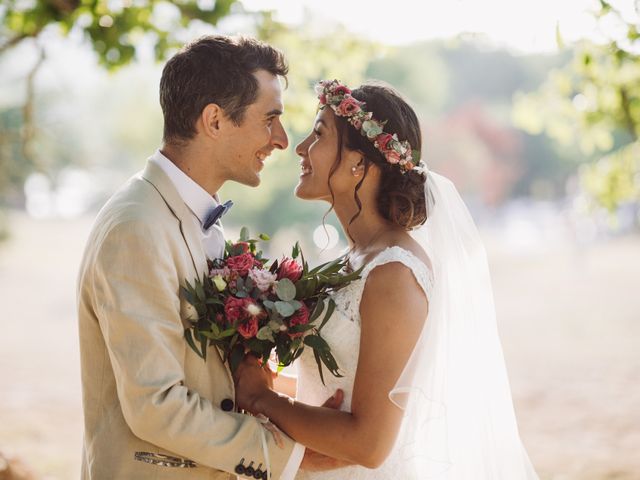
x: 323, y: 99
x: 356, y: 122
x: 348, y: 107
x: 392, y: 156
x: 341, y: 90
x: 383, y: 140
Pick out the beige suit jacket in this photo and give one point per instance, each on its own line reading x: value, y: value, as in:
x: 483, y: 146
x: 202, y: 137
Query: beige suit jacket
x: 153, y: 409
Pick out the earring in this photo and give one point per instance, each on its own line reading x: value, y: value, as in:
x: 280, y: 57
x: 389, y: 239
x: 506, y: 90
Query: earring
x: 354, y: 170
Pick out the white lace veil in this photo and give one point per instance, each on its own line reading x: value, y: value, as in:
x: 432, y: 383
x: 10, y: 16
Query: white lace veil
x: 459, y: 418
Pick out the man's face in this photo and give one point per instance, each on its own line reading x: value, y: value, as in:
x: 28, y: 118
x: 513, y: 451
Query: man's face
x: 250, y: 143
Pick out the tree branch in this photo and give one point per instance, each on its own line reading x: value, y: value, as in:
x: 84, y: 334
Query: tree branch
x: 12, y: 41
x: 28, y: 126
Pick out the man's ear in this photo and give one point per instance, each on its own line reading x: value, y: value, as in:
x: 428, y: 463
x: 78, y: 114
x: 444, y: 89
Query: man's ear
x: 210, y: 120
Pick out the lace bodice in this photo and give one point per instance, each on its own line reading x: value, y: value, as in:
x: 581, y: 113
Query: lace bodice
x: 342, y: 333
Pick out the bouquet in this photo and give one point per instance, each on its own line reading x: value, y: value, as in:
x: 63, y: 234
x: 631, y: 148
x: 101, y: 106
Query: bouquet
x: 245, y: 304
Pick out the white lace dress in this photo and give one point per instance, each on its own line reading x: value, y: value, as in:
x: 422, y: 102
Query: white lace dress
x: 342, y: 332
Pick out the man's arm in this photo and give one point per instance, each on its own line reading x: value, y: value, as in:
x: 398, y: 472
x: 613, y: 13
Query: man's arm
x: 136, y: 292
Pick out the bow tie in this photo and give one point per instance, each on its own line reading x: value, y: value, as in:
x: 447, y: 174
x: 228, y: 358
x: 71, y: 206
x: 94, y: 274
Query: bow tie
x: 215, y: 214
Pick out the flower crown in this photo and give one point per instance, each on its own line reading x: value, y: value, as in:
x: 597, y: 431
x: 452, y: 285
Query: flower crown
x: 396, y: 152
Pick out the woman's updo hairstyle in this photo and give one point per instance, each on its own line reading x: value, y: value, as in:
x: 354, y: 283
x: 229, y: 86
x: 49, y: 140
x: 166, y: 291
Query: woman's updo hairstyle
x: 401, y: 197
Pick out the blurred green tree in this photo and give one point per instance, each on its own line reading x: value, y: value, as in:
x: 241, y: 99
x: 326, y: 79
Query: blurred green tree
x: 594, y: 102
x: 112, y: 28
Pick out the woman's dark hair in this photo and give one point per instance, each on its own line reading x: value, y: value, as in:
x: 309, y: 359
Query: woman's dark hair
x: 400, y: 196
x: 213, y: 69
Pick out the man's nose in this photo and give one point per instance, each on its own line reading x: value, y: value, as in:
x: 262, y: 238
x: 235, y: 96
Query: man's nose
x: 279, y: 137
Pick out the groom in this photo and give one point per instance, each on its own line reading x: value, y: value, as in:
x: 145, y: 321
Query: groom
x: 152, y: 407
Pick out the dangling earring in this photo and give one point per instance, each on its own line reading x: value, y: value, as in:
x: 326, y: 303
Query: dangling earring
x: 354, y: 171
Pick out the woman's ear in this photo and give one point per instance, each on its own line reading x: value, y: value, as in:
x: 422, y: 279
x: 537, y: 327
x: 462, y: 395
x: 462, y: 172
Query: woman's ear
x: 357, y: 169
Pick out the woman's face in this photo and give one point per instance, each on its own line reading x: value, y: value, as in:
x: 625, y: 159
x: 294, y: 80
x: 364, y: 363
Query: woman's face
x: 318, y: 153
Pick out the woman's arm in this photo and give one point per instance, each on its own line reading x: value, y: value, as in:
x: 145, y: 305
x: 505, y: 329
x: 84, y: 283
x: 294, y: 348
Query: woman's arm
x: 393, y: 310
x: 283, y: 383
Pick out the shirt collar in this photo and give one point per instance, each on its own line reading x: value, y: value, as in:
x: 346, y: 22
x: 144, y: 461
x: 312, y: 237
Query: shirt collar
x: 193, y: 195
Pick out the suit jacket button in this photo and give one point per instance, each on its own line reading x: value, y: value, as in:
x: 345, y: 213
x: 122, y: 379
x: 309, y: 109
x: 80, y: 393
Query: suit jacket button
x: 239, y: 469
x: 265, y: 475
x: 226, y: 404
x: 258, y: 474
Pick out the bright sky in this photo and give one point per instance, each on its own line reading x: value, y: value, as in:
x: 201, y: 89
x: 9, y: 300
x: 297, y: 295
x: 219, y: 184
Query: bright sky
x: 523, y: 25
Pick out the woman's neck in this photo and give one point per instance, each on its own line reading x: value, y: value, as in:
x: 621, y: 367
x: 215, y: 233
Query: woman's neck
x: 367, y: 227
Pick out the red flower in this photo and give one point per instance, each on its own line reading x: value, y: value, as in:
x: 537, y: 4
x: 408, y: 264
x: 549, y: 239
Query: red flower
x: 241, y: 263
x: 348, y: 107
x: 301, y: 317
x: 290, y: 269
x: 341, y: 90
x: 243, y: 245
x: 323, y: 99
x: 383, y: 140
x: 249, y: 328
x: 235, y: 309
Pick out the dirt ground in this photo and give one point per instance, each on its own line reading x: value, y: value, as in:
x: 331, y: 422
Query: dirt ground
x: 569, y: 320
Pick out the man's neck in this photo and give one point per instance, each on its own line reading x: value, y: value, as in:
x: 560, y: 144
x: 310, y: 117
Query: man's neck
x: 196, y: 163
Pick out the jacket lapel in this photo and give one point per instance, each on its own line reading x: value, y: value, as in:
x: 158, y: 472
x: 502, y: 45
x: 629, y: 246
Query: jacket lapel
x: 188, y: 228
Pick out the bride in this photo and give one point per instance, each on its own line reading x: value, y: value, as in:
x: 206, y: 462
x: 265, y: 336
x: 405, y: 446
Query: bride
x: 425, y: 389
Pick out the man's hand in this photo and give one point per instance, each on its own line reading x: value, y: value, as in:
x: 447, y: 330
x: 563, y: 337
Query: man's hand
x: 252, y: 381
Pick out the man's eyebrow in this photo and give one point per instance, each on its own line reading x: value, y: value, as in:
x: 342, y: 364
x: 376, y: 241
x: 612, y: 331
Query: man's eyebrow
x: 274, y: 112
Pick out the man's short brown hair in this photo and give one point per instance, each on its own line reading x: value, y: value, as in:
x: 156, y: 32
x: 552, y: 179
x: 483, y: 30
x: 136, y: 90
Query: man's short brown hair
x: 213, y: 69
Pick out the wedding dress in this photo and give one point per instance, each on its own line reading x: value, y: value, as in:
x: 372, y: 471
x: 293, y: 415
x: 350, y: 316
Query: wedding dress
x: 458, y: 422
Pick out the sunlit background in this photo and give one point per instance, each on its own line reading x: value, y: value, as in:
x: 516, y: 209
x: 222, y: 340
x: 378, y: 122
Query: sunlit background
x: 531, y: 108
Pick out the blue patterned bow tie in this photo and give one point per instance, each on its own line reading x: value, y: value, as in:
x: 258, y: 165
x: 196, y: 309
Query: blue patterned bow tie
x: 215, y: 214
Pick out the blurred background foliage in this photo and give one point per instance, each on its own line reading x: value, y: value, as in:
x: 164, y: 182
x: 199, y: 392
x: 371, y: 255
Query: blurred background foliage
x: 504, y: 126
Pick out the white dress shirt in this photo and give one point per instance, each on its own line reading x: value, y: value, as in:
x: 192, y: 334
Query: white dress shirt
x: 201, y: 203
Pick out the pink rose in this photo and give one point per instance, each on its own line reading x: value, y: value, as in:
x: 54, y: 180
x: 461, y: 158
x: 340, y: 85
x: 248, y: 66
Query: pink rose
x: 357, y: 123
x: 383, y: 140
x: 263, y: 279
x: 341, y: 90
x: 392, y: 156
x: 241, y: 263
x: 301, y: 317
x: 290, y: 269
x: 249, y: 328
x: 348, y: 107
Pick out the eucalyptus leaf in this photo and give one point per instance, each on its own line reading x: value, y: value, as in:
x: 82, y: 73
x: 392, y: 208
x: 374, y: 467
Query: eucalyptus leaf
x: 265, y: 333
x: 285, y: 309
x: 286, y: 290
